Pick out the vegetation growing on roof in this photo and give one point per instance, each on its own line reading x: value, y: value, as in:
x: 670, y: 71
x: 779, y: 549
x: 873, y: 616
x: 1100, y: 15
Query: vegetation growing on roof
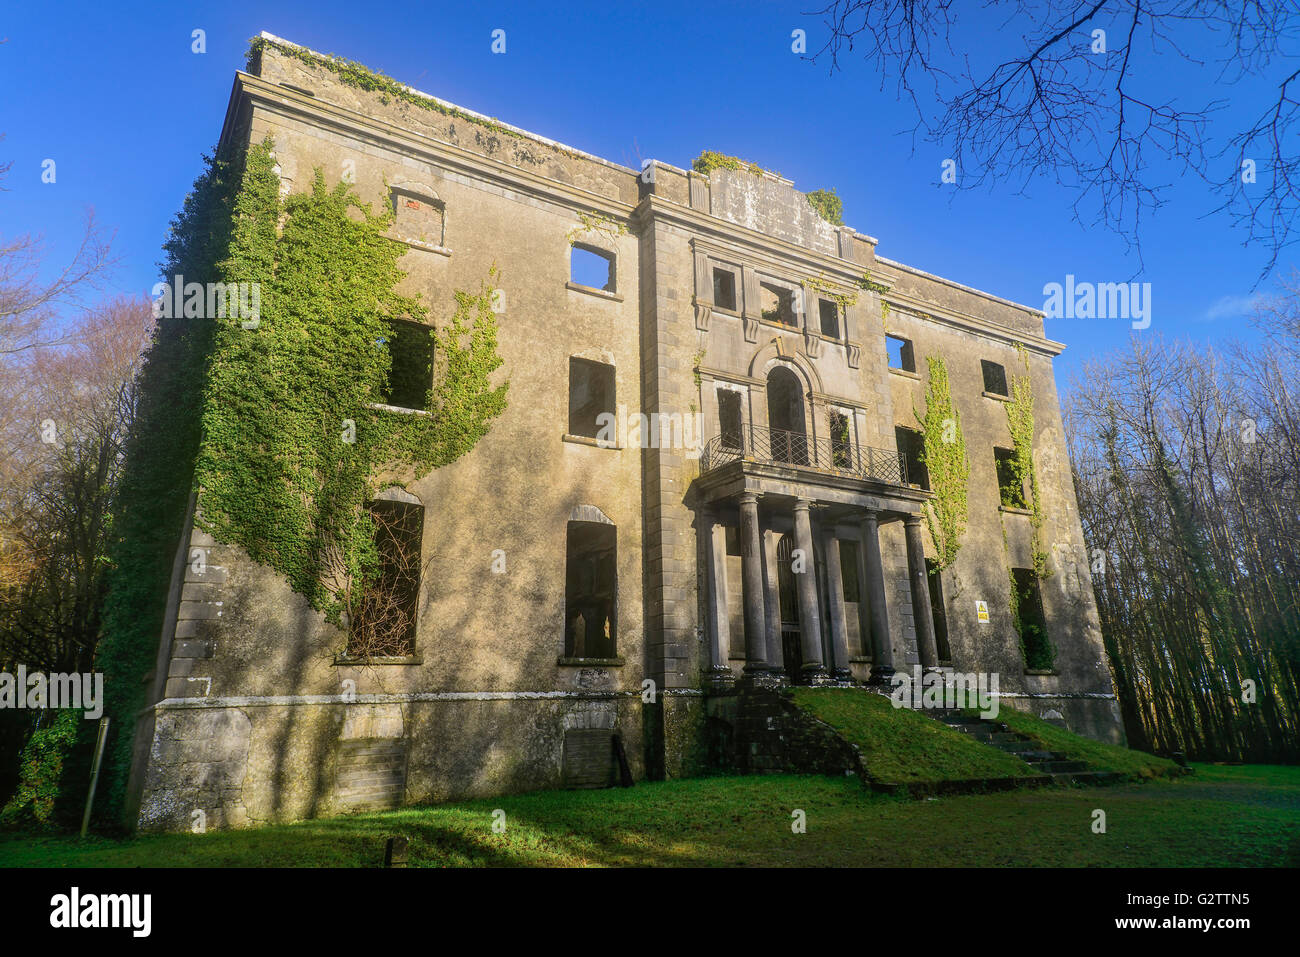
x: 362, y: 77
x: 709, y: 160
x: 827, y: 205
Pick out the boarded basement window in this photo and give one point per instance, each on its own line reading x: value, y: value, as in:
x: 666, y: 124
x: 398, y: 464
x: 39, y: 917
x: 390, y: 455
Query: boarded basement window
x: 410, y: 373
x: 590, y: 591
x: 591, y: 392
x: 588, y: 758
x: 724, y: 289
x: 592, y: 267
x: 729, y: 418
x: 384, y: 611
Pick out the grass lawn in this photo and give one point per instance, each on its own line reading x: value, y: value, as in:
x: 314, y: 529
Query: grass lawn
x: 1221, y: 816
x: 1098, y: 756
x: 901, y: 746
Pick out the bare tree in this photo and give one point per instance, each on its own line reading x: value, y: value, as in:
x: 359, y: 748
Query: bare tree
x: 1187, y: 470
x: 54, y: 517
x: 1069, y: 90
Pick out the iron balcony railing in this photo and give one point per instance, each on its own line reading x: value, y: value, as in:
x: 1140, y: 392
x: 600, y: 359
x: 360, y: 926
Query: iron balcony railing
x: 756, y: 444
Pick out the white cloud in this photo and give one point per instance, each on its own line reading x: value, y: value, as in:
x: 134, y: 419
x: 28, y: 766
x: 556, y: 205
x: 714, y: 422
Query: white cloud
x: 1233, y: 307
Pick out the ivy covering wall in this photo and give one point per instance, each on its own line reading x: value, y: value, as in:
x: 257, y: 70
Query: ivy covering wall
x: 1036, y: 648
x: 276, y: 424
x: 944, y: 456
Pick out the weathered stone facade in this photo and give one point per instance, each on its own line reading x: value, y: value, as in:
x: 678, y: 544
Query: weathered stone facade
x: 258, y: 715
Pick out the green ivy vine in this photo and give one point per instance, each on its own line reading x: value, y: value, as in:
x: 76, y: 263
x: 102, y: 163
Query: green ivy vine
x: 1020, y: 419
x: 944, y: 456
x: 363, y: 78
x: 255, y: 419
x: 294, y: 445
x: 709, y: 160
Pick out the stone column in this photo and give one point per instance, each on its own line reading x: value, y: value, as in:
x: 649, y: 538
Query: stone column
x: 715, y: 542
x: 772, y: 605
x: 751, y: 568
x: 922, y: 614
x: 882, y: 651
x: 835, y: 591
x: 810, y: 623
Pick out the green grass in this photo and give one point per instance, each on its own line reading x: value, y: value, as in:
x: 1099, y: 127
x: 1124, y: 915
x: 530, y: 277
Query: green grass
x: 1098, y: 756
x: 1240, y: 816
x: 900, y: 746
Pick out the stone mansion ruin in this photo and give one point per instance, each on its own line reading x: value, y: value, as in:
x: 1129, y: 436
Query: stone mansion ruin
x: 578, y: 593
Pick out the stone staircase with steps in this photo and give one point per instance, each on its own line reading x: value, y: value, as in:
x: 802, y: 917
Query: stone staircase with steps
x: 1051, y: 763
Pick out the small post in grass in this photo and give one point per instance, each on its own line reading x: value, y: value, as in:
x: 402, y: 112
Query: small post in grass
x: 94, y: 773
x: 395, y: 852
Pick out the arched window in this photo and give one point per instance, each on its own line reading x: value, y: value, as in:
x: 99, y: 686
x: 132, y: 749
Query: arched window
x: 591, y: 591
x: 785, y: 417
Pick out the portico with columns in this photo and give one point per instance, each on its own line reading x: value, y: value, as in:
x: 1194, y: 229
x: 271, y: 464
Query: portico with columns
x: 818, y: 512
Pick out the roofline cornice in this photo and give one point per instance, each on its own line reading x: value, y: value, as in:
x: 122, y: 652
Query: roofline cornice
x: 339, y: 119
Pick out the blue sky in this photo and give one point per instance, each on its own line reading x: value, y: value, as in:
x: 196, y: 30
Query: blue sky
x: 113, y: 93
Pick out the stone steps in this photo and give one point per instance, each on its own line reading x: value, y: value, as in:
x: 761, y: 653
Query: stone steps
x: 1051, y: 764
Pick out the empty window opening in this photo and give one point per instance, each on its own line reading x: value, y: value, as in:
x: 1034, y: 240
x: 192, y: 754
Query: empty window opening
x: 841, y: 441
x: 591, y: 392
x: 900, y: 353
x: 732, y: 536
x: 729, y: 418
x: 777, y: 303
x: 410, y: 371
x: 911, y: 444
x: 590, y: 589
x: 995, y: 377
x: 937, y: 610
x: 591, y: 267
x: 830, y: 317
x: 1010, y: 488
x: 724, y: 289
x: 383, y: 607
x: 849, y: 569
x: 1031, y: 621
x: 418, y: 218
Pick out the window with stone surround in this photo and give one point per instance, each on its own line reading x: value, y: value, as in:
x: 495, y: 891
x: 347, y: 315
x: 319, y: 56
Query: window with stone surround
x: 849, y: 569
x: 420, y: 219
x: 1011, y: 490
x: 591, y: 392
x: 841, y: 440
x: 591, y: 267
x: 383, y: 609
x: 410, y: 372
x: 730, y: 418
x: 937, y: 610
x: 995, y: 377
x: 829, y: 313
x: 590, y: 591
x: 900, y: 352
x: 911, y: 444
x: 776, y: 303
x: 1033, y: 622
x: 724, y: 288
